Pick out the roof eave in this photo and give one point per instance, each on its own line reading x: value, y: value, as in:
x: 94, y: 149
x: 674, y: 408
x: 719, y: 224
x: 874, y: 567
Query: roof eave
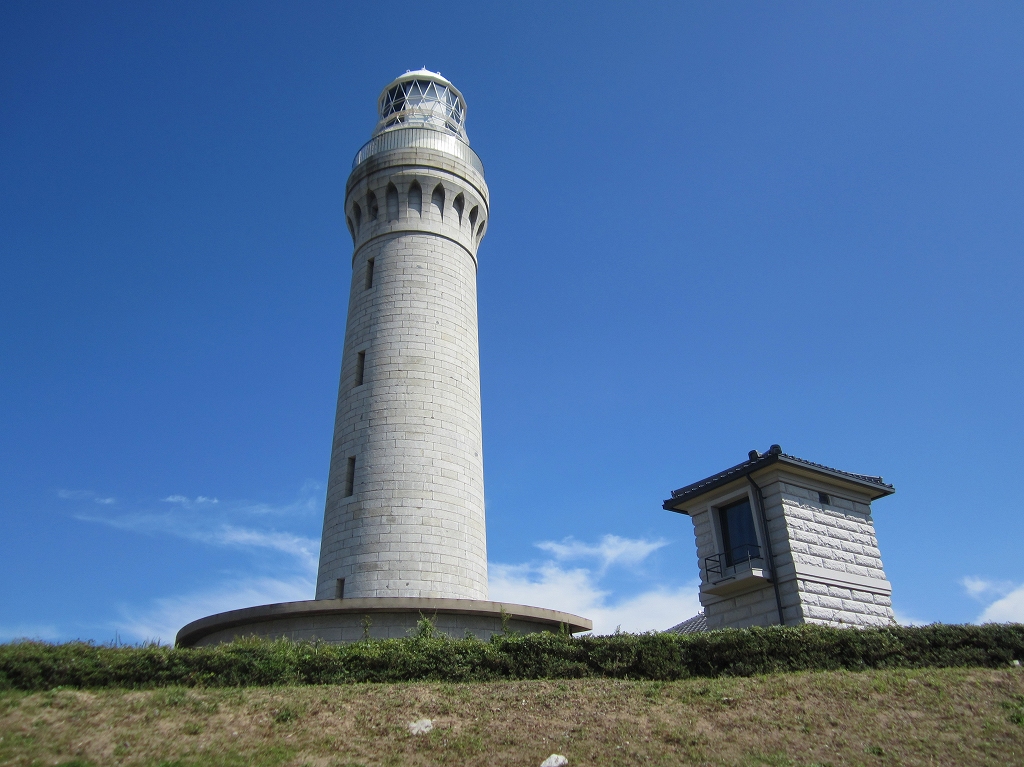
x: 687, y: 495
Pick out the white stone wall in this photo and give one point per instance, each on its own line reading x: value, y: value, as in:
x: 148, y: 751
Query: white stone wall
x: 832, y: 551
x: 414, y: 525
x: 351, y: 627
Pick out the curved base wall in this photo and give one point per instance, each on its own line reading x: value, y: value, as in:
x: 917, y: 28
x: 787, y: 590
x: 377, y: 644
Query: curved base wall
x: 338, y: 621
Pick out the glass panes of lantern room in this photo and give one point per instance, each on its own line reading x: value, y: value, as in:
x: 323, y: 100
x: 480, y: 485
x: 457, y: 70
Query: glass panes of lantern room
x: 422, y: 103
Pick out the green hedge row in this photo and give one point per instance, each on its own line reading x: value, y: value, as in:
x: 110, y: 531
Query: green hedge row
x: 738, y: 652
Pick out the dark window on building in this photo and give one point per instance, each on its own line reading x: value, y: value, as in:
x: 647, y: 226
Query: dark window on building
x: 339, y: 589
x: 350, y: 476
x: 824, y: 498
x: 369, y: 273
x: 360, y: 366
x: 739, y: 538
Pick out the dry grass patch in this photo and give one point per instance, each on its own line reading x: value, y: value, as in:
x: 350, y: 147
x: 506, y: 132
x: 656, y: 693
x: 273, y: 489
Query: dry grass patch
x: 934, y: 716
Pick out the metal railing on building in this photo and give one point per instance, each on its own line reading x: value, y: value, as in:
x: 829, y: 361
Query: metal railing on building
x: 739, y: 558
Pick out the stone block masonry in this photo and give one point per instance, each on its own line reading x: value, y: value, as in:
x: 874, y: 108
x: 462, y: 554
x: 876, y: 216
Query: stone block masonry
x: 412, y: 522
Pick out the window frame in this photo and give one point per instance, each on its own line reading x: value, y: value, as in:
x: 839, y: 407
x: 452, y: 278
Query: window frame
x: 713, y: 509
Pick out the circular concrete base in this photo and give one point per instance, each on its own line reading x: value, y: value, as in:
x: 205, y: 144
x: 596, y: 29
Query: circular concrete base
x: 349, y: 620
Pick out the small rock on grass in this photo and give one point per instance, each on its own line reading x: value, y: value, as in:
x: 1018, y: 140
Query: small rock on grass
x: 555, y: 760
x: 421, y: 726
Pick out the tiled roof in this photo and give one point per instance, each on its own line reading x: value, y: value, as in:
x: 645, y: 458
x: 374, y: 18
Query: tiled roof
x: 760, y: 460
x: 695, y: 625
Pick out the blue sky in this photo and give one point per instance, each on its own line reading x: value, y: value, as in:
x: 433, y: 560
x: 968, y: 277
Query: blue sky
x: 715, y: 227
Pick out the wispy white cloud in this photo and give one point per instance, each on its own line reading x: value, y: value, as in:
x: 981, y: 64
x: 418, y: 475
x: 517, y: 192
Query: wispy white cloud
x: 984, y: 589
x: 163, y: 617
x: 305, y: 550
x: 186, y: 501
x: 46, y: 633
x: 231, y: 524
x: 611, y: 550
x: 83, y: 495
x: 75, y: 495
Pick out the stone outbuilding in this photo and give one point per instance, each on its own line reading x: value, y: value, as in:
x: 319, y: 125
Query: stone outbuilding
x: 782, y: 540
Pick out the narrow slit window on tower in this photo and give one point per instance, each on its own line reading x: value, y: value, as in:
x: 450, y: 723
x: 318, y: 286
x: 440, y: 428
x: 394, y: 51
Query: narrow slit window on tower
x: 371, y: 205
x: 391, y: 198
x: 360, y: 366
x: 350, y: 476
x: 459, y: 203
x: 339, y: 588
x: 416, y: 198
x: 437, y: 200
x: 369, y: 274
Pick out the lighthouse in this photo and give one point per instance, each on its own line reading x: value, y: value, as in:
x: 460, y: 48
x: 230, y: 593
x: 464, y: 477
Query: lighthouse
x: 404, y: 535
x: 405, y: 498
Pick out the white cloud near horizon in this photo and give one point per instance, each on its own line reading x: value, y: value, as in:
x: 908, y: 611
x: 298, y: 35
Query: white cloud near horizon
x: 582, y: 590
x: 578, y: 591
x: 1004, y: 600
x: 574, y: 578
x: 162, y: 619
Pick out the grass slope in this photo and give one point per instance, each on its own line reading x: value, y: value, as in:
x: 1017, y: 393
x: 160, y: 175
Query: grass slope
x: 960, y: 716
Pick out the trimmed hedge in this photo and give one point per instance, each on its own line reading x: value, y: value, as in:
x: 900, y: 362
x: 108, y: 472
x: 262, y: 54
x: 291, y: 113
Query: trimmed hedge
x: 734, y: 652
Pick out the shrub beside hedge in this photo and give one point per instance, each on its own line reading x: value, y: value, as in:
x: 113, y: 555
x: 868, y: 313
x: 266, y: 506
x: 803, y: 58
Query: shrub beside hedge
x: 735, y: 652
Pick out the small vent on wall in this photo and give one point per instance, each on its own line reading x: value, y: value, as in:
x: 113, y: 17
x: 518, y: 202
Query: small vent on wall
x: 824, y: 498
x: 416, y: 198
x: 369, y: 274
x: 437, y: 200
x: 459, y: 203
x: 371, y: 205
x: 391, y: 198
x: 350, y: 476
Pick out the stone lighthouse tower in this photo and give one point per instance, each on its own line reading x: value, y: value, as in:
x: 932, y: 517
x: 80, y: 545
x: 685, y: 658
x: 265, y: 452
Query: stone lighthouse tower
x: 405, y: 498
x: 404, y: 531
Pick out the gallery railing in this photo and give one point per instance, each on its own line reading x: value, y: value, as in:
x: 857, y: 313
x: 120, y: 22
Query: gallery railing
x: 403, y: 138
x: 738, y: 558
